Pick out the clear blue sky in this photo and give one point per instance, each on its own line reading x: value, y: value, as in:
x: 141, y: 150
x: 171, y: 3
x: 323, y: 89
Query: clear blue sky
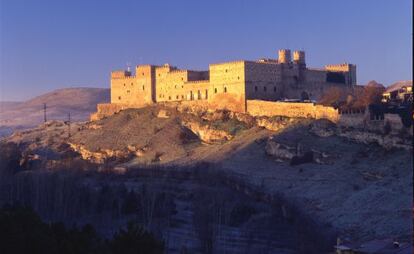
x: 49, y: 44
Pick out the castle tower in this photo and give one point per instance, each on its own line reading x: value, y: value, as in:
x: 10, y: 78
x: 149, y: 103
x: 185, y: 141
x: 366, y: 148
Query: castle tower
x: 284, y: 56
x: 299, y: 57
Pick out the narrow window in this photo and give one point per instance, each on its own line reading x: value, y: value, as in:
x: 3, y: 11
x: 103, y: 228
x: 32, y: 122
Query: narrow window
x: 199, y: 94
x: 206, y: 93
x: 119, y: 97
x: 124, y: 84
x: 215, y: 90
x: 264, y: 88
x: 255, y: 88
x: 176, y: 97
x: 169, y: 97
x: 132, y: 84
x: 182, y: 97
x: 274, y: 89
x: 225, y: 89
x: 143, y: 87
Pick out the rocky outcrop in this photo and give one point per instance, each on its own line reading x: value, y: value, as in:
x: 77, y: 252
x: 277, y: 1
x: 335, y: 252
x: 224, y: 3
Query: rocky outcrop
x: 162, y: 113
x: 274, y: 123
x: 279, y: 151
x: 386, y: 141
x: 100, y: 156
x: 207, y: 133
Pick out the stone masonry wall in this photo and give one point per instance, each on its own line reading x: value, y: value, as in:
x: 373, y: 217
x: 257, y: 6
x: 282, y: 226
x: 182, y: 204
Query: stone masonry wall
x: 291, y: 109
x: 227, y: 86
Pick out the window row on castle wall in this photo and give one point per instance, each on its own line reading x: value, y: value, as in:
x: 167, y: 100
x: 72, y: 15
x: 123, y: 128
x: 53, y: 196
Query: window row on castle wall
x: 191, y: 95
x: 256, y: 89
x: 224, y: 90
x: 132, y: 84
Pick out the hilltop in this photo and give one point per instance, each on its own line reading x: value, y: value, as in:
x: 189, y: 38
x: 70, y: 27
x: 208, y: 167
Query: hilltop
x: 80, y: 102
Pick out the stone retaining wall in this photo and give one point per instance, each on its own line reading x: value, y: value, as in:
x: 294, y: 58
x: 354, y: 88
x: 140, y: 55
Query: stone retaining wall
x: 291, y: 109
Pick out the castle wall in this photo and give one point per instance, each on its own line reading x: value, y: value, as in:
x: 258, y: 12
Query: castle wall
x: 145, y: 76
x: 264, y: 81
x: 349, y: 71
x: 133, y: 90
x: 227, y: 86
x: 108, y: 109
x: 196, y: 90
x: 230, y: 85
x: 291, y: 109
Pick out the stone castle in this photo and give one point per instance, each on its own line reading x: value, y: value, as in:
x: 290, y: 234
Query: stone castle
x: 228, y: 85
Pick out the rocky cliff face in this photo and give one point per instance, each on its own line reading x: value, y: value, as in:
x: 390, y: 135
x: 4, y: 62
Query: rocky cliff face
x: 206, y: 133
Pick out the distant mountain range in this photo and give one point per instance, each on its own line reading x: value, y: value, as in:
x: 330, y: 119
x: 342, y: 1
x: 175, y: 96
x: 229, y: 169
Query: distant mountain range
x: 79, y: 102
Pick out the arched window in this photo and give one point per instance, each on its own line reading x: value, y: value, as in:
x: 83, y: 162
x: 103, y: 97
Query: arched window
x: 143, y: 88
x: 264, y: 88
x: 225, y: 89
x: 215, y: 90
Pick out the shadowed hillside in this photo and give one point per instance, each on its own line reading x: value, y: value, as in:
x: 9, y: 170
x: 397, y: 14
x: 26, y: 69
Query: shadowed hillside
x: 79, y: 102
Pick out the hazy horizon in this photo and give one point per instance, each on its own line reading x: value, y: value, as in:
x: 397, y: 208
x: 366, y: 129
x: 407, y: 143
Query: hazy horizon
x: 54, y: 44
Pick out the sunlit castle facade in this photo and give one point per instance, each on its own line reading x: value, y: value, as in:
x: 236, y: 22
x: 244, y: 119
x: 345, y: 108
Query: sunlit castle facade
x: 230, y: 84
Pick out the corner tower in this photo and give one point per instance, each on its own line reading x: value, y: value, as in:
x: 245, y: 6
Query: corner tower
x: 284, y: 56
x: 299, y: 57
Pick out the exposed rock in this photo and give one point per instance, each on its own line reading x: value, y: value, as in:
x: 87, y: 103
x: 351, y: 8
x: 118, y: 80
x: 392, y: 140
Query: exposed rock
x: 206, y: 133
x: 323, y: 128
x: 245, y: 118
x: 139, y: 153
x: 100, y: 156
x: 216, y: 115
x: 279, y: 151
x: 273, y: 124
x: 386, y: 141
x: 94, y: 127
x: 163, y: 114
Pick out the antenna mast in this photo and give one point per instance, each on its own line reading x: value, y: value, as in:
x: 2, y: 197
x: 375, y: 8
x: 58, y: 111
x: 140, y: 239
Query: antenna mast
x: 69, y: 124
x: 44, y: 112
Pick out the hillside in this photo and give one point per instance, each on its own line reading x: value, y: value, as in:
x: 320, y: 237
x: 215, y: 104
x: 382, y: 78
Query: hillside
x: 79, y: 102
x: 360, y: 189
